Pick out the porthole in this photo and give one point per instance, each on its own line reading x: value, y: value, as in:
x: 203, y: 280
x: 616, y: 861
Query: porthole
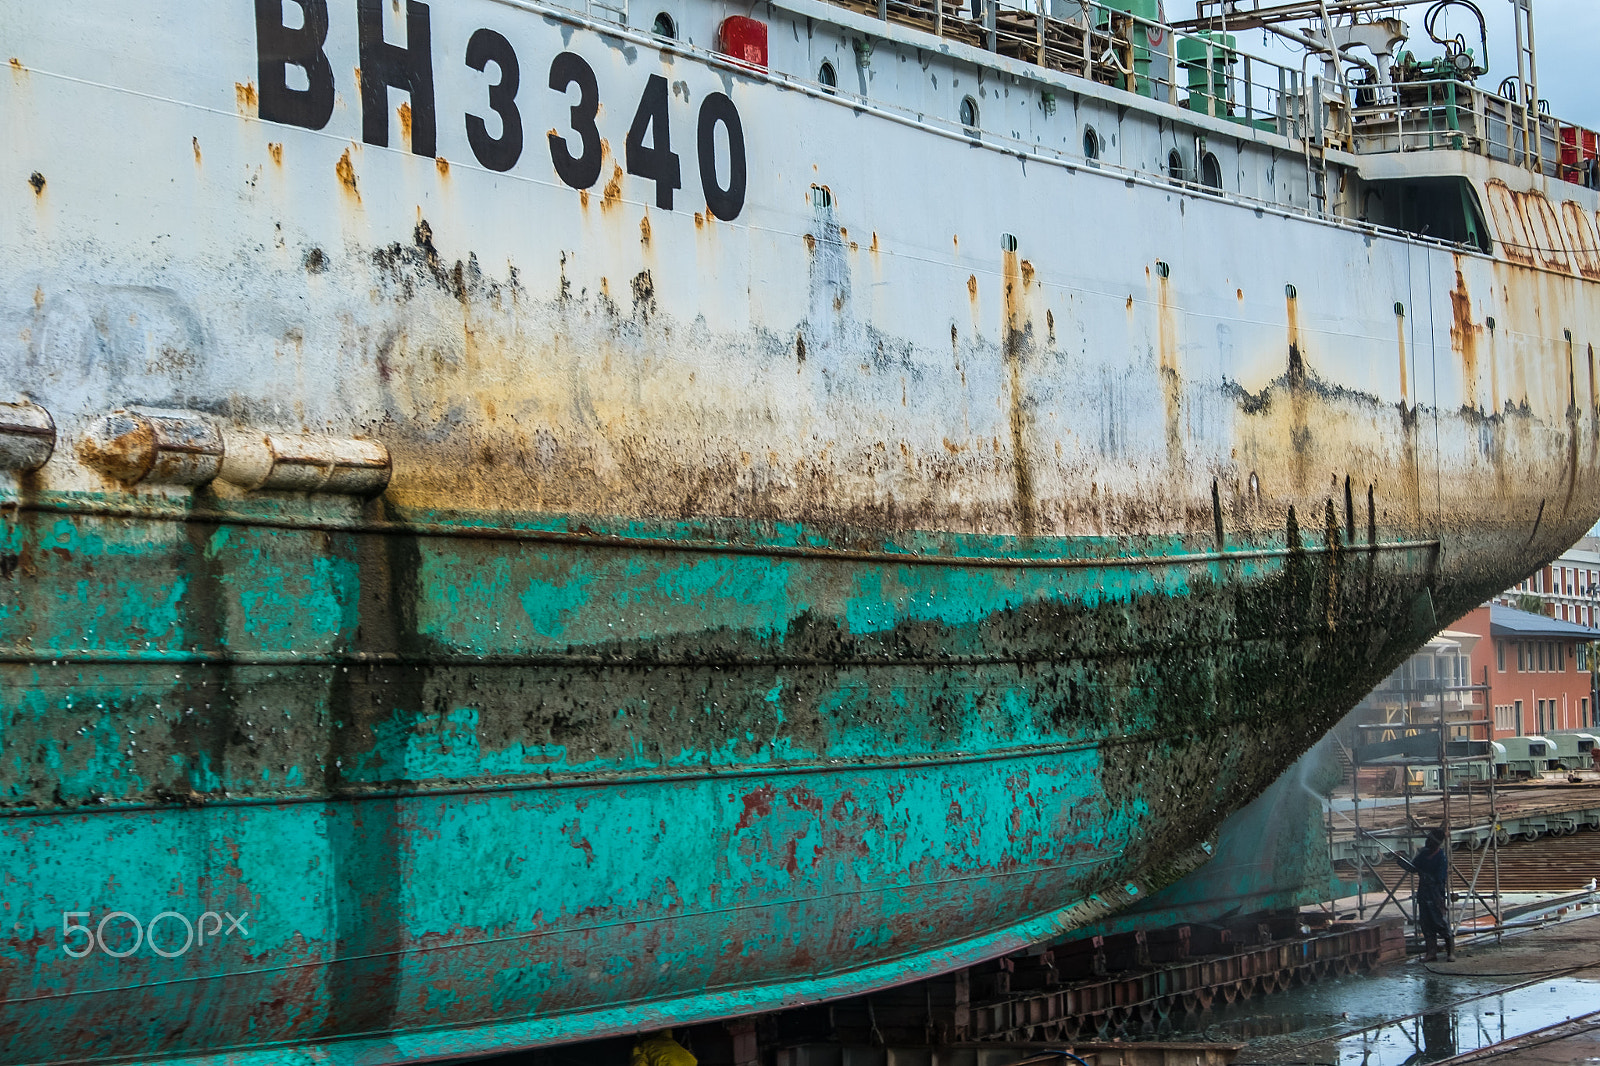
x: 821, y: 197
x: 969, y: 112
x: 664, y: 26
x: 1091, y: 143
x: 827, y: 75
x: 1008, y: 242
x: 1211, y: 171
x: 1175, y: 168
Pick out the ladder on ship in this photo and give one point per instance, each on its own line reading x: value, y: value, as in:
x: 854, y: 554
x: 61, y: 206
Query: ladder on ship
x: 1528, y: 85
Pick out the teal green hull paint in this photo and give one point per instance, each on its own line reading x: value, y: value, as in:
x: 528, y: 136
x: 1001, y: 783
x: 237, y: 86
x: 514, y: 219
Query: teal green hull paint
x: 476, y: 793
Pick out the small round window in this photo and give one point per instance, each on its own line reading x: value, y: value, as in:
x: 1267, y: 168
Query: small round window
x: 827, y: 75
x: 1211, y: 171
x: 1175, y: 168
x: 664, y: 26
x: 1091, y: 143
x: 969, y: 112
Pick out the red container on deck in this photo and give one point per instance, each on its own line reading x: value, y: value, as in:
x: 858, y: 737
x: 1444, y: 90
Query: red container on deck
x: 744, y: 39
x: 1577, y: 144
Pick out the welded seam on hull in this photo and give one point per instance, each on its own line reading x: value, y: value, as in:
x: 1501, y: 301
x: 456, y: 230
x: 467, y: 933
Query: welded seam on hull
x: 780, y: 551
x: 579, y: 779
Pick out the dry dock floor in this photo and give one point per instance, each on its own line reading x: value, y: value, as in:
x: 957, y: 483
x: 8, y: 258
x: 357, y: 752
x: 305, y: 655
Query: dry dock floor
x: 1534, y: 997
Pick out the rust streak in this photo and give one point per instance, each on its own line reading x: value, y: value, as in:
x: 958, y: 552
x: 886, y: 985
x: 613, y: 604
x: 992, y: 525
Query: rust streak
x: 1464, y: 336
x: 644, y: 230
x: 611, y: 196
x: 442, y: 165
x: 404, y: 111
x: 195, y: 143
x: 1299, y: 399
x: 1018, y: 337
x: 1580, y: 228
x: 246, y: 99
x: 1171, y: 372
x: 347, y: 175
x: 1510, y: 222
x: 275, y: 150
x: 1400, y: 336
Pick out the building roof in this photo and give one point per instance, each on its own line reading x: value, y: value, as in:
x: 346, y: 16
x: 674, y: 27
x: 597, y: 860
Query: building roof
x: 1510, y: 622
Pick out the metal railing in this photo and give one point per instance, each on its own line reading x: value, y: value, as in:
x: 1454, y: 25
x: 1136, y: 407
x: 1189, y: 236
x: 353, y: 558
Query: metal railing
x: 1444, y: 114
x: 1099, y: 42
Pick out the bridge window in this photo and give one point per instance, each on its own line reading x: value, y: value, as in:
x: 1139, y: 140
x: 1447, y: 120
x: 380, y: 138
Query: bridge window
x: 664, y: 26
x: 1091, y: 143
x: 827, y: 75
x: 1175, y: 168
x: 1211, y: 171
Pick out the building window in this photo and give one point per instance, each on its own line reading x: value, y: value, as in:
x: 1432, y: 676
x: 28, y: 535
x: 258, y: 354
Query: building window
x: 1522, y: 658
x: 1502, y: 718
x: 1543, y: 652
x: 1500, y: 656
x: 1517, y: 706
x: 1560, y: 657
x: 1580, y: 652
x: 1583, y: 713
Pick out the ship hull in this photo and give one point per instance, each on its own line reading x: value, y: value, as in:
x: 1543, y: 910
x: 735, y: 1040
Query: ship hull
x: 599, y: 841
x: 770, y: 600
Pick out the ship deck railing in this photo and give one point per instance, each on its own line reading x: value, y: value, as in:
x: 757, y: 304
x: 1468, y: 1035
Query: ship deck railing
x: 1100, y: 43
x: 1451, y: 115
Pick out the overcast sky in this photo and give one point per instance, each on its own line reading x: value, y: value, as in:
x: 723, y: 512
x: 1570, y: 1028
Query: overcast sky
x: 1567, y: 34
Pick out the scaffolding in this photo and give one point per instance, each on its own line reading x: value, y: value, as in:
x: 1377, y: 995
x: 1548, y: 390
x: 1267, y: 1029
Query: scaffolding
x: 1442, y: 751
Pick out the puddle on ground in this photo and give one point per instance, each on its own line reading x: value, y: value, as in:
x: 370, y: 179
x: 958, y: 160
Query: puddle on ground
x: 1349, y: 1021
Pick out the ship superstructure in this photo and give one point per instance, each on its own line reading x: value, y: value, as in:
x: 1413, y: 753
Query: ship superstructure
x: 526, y: 522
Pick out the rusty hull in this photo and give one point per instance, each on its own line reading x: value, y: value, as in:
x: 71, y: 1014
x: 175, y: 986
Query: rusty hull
x: 757, y: 610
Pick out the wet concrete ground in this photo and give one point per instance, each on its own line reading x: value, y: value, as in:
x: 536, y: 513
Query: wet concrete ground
x: 1416, y: 1012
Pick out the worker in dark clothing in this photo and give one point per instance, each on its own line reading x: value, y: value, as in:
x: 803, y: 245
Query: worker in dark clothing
x: 1432, y: 867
